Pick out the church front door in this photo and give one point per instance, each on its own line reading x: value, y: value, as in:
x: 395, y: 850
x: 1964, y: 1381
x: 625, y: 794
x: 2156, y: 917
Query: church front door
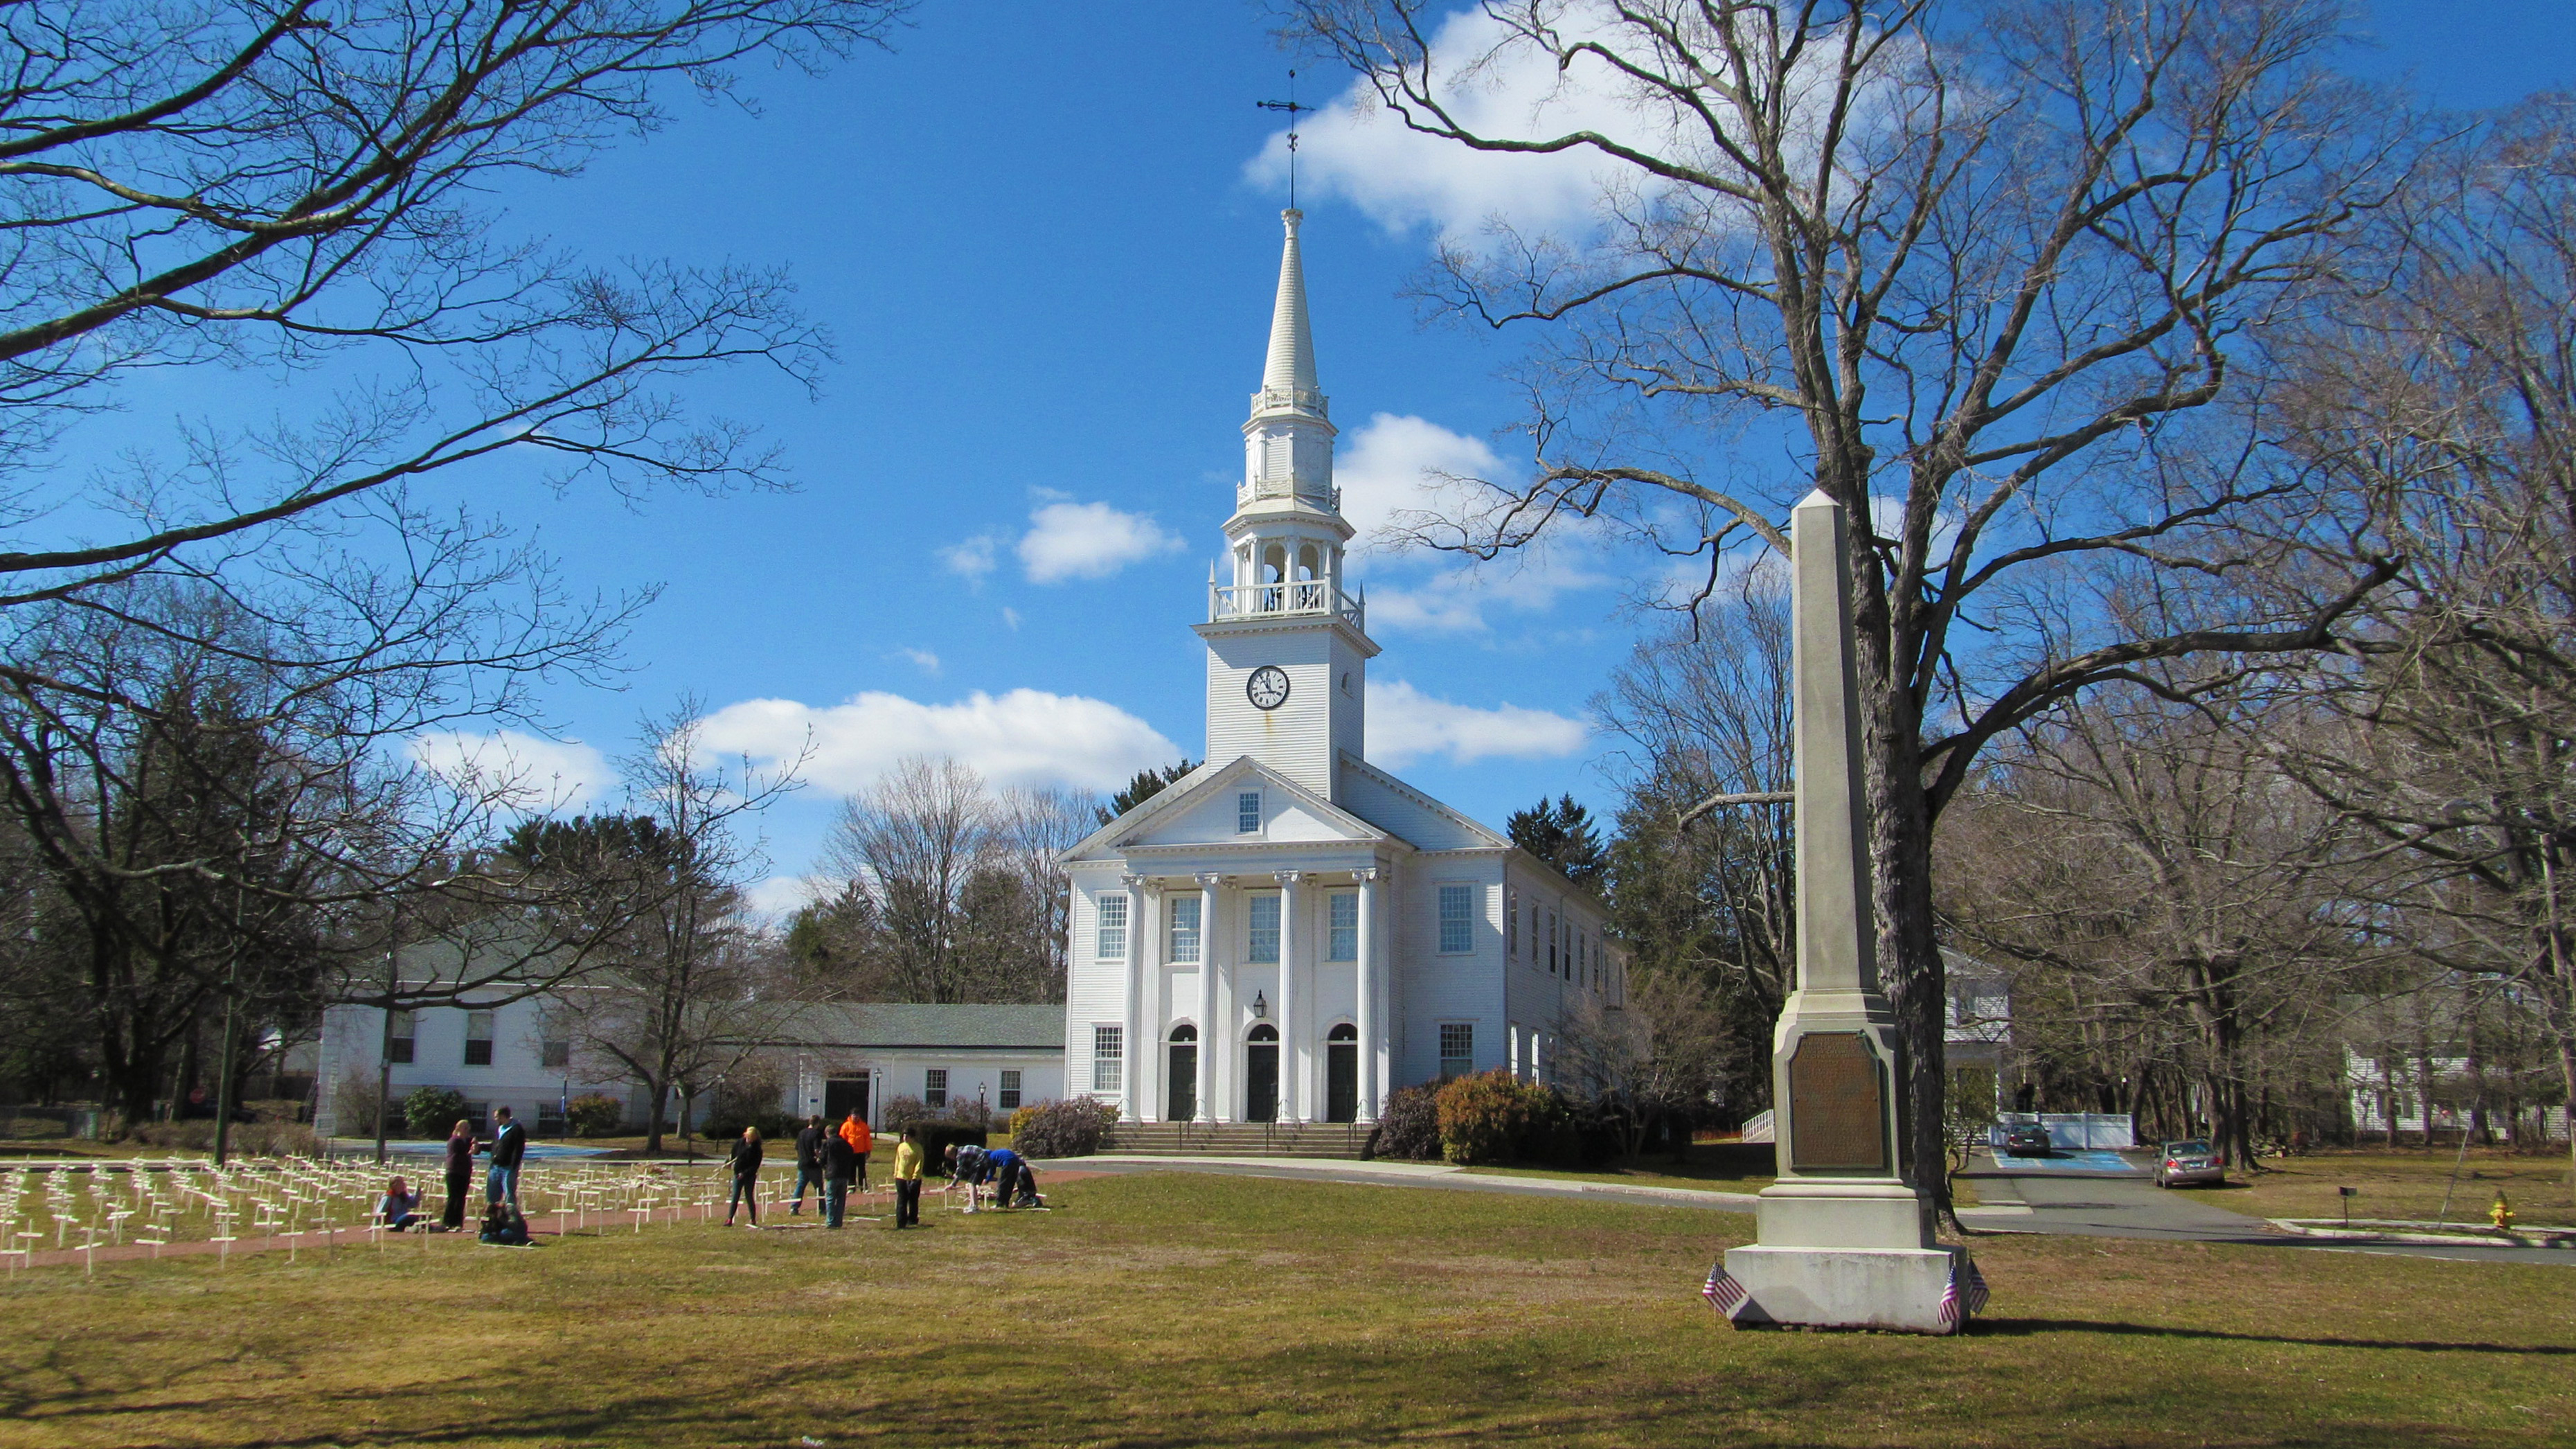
x: 1261, y: 1076
x: 1342, y: 1075
x: 1181, y: 1099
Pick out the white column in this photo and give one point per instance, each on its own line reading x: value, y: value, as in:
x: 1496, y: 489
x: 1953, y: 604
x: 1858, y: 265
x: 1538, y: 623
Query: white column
x: 1130, y: 1102
x: 1370, y: 1021
x: 1292, y: 1030
x: 1212, y: 1039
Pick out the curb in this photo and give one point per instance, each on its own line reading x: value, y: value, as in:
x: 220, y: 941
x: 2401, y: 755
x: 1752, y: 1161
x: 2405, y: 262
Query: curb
x: 2307, y: 1228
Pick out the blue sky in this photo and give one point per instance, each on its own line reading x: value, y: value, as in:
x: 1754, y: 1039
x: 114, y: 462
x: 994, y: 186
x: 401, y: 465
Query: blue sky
x: 1044, y: 237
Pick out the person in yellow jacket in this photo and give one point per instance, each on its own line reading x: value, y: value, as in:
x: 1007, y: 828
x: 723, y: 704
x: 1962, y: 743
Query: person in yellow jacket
x: 907, y: 1179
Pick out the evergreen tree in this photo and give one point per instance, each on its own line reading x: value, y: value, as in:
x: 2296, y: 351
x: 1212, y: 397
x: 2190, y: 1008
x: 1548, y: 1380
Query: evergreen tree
x: 1147, y: 784
x: 1561, y: 833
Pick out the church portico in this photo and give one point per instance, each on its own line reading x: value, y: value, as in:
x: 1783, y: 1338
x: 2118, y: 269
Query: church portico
x: 1288, y: 933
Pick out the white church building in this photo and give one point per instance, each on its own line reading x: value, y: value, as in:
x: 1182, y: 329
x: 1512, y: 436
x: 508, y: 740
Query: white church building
x: 1289, y: 933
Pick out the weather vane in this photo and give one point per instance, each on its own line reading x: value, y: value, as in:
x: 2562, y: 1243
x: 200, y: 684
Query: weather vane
x: 1294, y: 110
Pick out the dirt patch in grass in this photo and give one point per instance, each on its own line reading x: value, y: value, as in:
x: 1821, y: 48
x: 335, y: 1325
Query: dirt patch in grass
x: 1174, y: 1309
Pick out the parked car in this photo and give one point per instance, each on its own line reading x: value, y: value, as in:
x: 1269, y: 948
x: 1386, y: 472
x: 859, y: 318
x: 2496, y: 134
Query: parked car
x: 2183, y: 1164
x: 2025, y: 1142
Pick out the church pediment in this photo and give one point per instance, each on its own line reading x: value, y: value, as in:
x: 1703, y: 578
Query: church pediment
x: 1204, y: 808
x: 1399, y: 809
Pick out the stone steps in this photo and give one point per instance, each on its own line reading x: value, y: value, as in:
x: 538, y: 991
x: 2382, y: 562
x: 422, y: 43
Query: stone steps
x: 1344, y: 1140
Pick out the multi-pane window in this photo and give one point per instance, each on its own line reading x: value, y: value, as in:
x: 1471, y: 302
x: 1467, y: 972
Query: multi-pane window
x: 1511, y: 920
x: 1553, y: 968
x: 1457, y: 1048
x: 1457, y: 919
x: 1010, y: 1089
x: 554, y: 1053
x: 1342, y: 943
x: 405, y: 1030
x: 934, y: 1087
x: 1582, y: 959
x: 478, y: 1038
x: 1111, y: 944
x: 1108, y: 1056
x: 1247, y: 813
x: 1185, y: 931
x: 1261, y: 942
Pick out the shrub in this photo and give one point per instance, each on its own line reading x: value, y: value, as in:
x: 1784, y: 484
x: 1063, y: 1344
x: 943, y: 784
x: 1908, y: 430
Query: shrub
x: 971, y: 1112
x: 432, y: 1111
x: 1409, y: 1126
x: 594, y: 1114
x: 1075, y: 1128
x: 901, y: 1112
x: 727, y: 1121
x: 1494, y: 1117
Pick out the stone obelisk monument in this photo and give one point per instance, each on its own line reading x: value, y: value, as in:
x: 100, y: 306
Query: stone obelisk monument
x: 1844, y: 1242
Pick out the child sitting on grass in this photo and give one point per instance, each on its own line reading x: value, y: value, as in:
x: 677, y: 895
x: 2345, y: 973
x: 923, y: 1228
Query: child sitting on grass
x: 503, y: 1227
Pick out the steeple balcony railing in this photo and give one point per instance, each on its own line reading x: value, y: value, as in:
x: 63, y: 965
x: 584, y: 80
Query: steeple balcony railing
x: 1304, y: 596
x: 1329, y: 499
x: 1290, y: 399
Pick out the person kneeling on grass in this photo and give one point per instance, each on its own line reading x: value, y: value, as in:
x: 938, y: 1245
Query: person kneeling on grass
x: 965, y: 1167
x: 840, y: 1168
x: 400, y: 1207
x: 746, y: 1175
x: 503, y: 1227
x: 1014, y: 1185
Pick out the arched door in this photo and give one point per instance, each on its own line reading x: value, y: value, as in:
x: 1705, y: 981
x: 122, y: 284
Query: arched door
x: 1342, y: 1074
x: 1181, y: 1090
x: 1261, y: 1075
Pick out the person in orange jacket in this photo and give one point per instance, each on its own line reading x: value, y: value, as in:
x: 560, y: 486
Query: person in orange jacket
x: 855, y: 1132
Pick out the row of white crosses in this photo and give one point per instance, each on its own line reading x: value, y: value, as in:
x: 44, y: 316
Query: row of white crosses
x: 158, y: 1202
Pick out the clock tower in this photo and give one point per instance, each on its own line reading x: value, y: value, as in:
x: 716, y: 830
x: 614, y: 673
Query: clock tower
x: 1288, y: 648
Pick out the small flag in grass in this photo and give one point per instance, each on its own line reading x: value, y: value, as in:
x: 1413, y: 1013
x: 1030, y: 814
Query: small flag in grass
x: 1721, y: 1290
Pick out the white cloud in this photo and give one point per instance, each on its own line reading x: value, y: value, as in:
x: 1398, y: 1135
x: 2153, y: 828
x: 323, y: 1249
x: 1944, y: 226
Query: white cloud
x: 971, y: 560
x: 536, y: 774
x: 1011, y: 617
x: 923, y: 659
x: 1088, y: 541
x: 781, y: 896
x: 1397, y: 464
x: 1353, y: 149
x: 1024, y: 737
x: 1405, y: 725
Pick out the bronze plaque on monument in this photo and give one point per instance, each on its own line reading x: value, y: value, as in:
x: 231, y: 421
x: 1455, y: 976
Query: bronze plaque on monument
x: 1837, y: 1105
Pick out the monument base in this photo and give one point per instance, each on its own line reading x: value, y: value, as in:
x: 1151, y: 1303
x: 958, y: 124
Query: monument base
x: 1897, y: 1289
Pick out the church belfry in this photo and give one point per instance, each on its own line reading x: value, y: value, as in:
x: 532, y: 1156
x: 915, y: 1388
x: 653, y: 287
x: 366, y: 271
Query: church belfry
x: 1286, y: 636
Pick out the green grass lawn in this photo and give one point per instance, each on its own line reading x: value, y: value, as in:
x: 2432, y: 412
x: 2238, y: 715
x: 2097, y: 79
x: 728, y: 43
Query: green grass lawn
x: 2400, y: 1184
x: 1169, y: 1309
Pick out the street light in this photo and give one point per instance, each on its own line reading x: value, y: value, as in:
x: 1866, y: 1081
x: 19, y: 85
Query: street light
x: 1260, y: 1007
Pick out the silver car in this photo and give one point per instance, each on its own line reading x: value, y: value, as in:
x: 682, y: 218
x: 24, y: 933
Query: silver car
x: 2189, y: 1163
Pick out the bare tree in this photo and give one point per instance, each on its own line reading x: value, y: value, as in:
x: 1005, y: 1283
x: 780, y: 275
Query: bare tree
x: 1986, y: 274
x: 2443, y: 409
x: 287, y: 184
x: 695, y: 988
x: 1656, y: 1061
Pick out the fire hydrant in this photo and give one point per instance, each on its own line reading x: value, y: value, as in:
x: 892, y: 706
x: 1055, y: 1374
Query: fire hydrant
x: 2501, y: 1214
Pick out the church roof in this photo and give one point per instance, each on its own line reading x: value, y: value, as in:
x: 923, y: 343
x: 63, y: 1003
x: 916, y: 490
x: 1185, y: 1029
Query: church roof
x: 954, y: 1026
x: 1205, y: 783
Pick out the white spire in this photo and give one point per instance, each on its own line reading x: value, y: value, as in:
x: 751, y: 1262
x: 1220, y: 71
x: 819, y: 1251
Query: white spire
x: 1291, y: 366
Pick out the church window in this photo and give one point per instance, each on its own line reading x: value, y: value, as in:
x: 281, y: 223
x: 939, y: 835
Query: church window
x: 1457, y: 1049
x: 404, y: 1030
x: 1583, y: 960
x: 934, y: 1087
x: 1112, y: 942
x: 1457, y: 919
x: 1247, y: 813
x: 1108, y: 1055
x: 1344, y: 944
x: 1010, y: 1098
x: 1261, y: 947
x: 1185, y: 931
x: 478, y: 1038
x: 1511, y: 921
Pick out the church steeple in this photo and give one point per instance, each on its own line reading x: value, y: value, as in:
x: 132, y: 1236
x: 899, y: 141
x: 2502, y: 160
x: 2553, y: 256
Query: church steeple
x: 1291, y: 368
x: 1287, y: 640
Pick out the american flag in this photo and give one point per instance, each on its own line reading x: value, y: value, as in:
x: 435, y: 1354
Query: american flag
x: 1966, y: 1291
x: 1721, y: 1290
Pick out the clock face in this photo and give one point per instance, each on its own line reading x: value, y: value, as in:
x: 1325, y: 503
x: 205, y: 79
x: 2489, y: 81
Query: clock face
x: 1268, y: 687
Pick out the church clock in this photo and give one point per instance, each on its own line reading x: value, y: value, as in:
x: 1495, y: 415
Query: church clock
x: 1268, y: 687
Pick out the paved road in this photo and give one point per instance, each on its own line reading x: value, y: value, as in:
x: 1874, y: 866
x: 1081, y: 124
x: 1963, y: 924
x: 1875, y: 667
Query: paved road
x: 2088, y: 1205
